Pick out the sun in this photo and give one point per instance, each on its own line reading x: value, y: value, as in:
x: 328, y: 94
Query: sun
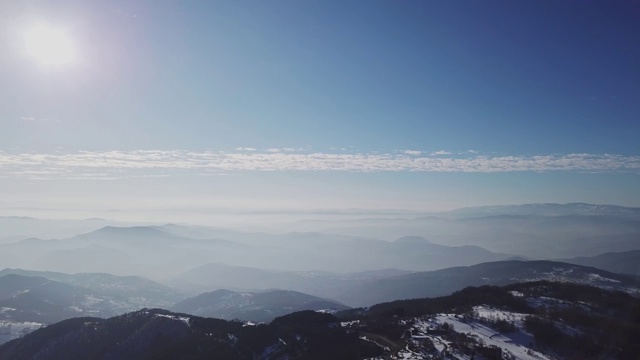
x: 50, y: 46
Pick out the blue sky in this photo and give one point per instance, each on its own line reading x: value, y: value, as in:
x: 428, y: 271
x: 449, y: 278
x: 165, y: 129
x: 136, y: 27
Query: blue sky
x: 325, y: 104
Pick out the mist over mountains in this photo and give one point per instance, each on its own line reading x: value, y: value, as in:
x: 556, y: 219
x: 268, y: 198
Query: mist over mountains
x: 318, y: 265
x: 539, y: 231
x: 155, y: 253
x: 461, y: 237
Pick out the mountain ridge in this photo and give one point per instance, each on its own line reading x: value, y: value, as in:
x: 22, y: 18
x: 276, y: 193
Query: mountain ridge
x: 446, y: 281
x: 261, y: 306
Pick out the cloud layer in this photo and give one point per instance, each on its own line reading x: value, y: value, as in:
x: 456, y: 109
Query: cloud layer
x: 119, y: 164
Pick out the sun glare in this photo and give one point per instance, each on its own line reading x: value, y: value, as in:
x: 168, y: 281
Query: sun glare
x: 50, y: 46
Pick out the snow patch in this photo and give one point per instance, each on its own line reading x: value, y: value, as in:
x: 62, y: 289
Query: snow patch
x: 12, y: 330
x: 173, y: 317
x: 596, y: 277
x: 490, y: 336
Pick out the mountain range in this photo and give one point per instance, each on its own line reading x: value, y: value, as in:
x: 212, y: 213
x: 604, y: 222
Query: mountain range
x: 519, y: 321
x: 101, y: 269
x: 446, y: 281
x: 159, y: 334
x: 625, y: 262
x: 155, y: 253
x: 253, y: 306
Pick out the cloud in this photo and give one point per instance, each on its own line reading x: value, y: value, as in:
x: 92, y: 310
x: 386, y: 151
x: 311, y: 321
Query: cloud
x: 246, y: 149
x: 162, y: 163
x: 412, y: 152
x: 279, y: 150
x: 441, y: 152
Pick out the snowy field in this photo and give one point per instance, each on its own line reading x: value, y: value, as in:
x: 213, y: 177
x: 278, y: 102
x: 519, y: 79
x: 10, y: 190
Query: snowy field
x: 514, y: 345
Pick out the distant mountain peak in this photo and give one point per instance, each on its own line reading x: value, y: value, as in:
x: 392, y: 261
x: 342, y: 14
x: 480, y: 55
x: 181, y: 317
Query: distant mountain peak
x: 18, y: 217
x: 412, y: 240
x: 119, y: 231
x: 110, y: 228
x: 550, y: 209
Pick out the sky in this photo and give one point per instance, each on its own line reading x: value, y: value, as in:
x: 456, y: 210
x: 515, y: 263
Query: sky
x: 214, y: 106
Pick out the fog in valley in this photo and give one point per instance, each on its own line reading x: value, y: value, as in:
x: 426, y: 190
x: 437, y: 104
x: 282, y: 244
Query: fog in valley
x: 316, y: 254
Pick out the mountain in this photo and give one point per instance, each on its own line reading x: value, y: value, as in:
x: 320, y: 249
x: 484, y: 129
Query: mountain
x: 140, y: 236
x: 550, y: 209
x: 135, y: 289
x: 159, y: 334
x: 318, y: 283
x: 156, y: 252
x: 317, y: 251
x: 207, y: 232
x: 11, y: 239
x: 594, y: 245
x: 258, y: 307
x: 221, y: 276
x: 29, y: 301
x: 626, y: 262
x: 138, y: 250
x: 366, y: 288
x: 32, y: 299
x: 41, y: 300
x: 533, y: 320
x: 25, y: 227
x: 446, y: 281
x: 462, y: 237
x: 526, y: 231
